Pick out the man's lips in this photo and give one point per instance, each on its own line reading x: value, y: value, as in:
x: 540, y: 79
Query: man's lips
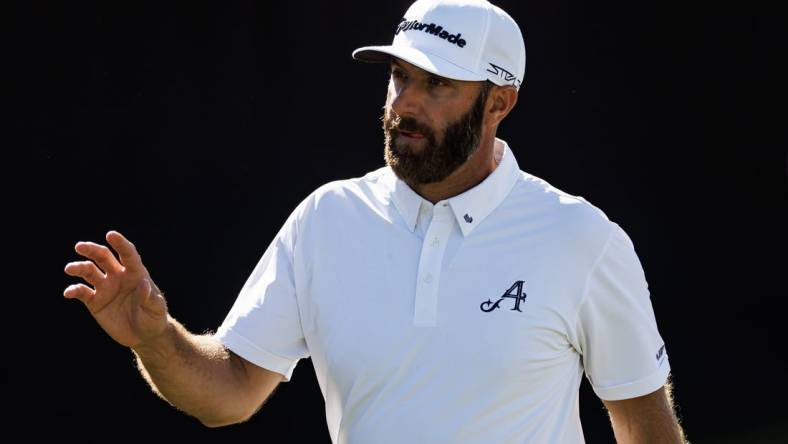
x: 411, y: 134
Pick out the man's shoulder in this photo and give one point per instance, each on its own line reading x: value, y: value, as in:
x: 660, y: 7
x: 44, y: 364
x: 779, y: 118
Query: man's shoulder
x: 342, y: 193
x: 342, y: 187
x: 574, y: 215
x: 537, y: 193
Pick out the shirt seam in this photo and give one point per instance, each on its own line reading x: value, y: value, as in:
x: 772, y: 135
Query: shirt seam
x: 291, y: 253
x: 587, y: 285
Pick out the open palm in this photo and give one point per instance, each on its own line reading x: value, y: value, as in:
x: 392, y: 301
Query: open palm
x: 123, y: 299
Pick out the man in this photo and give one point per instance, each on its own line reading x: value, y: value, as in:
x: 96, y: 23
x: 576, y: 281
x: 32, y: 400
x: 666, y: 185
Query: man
x: 448, y: 297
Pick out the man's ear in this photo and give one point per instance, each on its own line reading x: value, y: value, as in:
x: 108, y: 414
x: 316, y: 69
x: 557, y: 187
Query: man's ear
x: 500, y: 102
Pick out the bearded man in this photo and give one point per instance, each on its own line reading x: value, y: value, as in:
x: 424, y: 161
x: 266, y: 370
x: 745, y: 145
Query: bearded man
x: 447, y: 297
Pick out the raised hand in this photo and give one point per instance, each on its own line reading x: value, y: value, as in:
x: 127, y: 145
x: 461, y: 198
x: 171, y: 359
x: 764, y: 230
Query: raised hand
x: 123, y: 299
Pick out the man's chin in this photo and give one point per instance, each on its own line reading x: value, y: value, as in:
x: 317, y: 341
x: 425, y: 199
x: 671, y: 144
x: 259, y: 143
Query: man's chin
x: 410, y: 146
x: 401, y: 163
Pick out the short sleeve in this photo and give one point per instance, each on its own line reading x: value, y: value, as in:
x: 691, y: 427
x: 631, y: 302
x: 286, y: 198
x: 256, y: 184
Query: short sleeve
x: 264, y: 325
x: 623, y: 353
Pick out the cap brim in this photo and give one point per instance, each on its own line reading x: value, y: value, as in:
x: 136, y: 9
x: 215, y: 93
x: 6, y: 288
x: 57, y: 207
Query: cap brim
x: 428, y: 62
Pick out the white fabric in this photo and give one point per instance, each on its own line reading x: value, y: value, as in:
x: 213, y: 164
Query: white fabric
x: 459, y: 39
x: 393, y: 298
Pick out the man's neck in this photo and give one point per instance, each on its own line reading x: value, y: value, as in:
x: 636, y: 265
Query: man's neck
x: 471, y: 173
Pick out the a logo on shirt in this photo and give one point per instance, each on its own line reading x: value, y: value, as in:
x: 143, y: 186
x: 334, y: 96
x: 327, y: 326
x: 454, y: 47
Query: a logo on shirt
x: 661, y: 352
x: 514, y: 292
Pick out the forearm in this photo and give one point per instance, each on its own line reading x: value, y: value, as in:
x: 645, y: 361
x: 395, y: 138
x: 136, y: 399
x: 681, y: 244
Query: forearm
x: 658, y: 427
x: 196, y: 374
x: 646, y: 419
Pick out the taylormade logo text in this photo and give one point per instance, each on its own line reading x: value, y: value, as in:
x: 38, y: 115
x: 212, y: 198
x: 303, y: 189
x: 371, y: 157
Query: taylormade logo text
x: 432, y: 28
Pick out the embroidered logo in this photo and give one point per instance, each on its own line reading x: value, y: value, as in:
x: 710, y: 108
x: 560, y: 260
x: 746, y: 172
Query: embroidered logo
x: 514, y: 292
x: 431, y: 28
x: 505, y: 75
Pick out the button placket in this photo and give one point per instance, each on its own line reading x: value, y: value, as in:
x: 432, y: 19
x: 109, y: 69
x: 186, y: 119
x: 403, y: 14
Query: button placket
x: 432, y: 250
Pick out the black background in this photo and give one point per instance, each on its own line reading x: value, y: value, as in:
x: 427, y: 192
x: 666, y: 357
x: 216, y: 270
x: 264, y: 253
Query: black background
x: 195, y: 129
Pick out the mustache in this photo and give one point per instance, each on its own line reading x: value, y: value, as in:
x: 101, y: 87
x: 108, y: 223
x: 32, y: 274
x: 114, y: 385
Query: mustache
x: 398, y: 123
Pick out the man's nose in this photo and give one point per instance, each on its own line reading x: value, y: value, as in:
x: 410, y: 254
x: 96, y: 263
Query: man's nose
x: 407, y: 99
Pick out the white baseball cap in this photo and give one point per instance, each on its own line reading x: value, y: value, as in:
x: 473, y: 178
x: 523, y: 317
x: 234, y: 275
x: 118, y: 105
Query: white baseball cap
x: 458, y: 39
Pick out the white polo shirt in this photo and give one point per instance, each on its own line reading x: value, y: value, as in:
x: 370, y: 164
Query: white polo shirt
x: 468, y: 321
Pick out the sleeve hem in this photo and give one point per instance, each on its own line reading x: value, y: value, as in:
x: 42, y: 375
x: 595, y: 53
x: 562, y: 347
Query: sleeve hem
x: 634, y: 389
x: 262, y: 358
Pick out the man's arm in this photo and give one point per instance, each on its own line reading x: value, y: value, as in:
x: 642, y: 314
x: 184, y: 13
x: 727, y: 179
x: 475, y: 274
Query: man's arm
x: 646, y: 419
x: 194, y: 373
x: 198, y: 375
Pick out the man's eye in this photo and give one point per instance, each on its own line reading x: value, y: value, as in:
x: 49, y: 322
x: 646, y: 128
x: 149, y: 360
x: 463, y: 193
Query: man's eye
x: 437, y: 81
x: 397, y: 74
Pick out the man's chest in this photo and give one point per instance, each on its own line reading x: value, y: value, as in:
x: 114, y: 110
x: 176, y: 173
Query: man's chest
x: 380, y: 304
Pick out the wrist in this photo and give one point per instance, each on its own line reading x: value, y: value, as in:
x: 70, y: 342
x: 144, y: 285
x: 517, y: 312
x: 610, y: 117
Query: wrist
x: 157, y: 348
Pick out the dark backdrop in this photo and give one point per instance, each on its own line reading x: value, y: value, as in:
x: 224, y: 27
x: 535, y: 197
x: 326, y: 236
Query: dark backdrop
x: 195, y: 129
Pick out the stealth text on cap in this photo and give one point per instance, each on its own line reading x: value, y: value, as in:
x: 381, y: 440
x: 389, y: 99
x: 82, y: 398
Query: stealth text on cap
x: 432, y: 28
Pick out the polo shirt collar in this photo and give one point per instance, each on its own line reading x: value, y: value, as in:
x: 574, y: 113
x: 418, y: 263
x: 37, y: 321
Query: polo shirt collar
x: 471, y: 207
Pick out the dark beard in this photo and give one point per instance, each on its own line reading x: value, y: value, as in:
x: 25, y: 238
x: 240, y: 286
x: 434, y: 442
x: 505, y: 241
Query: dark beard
x: 437, y: 161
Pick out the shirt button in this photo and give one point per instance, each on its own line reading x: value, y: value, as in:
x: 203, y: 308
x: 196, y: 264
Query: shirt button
x: 435, y: 241
x: 428, y: 278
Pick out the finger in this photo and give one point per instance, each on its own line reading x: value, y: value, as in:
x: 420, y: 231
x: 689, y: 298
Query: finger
x: 99, y: 254
x: 80, y: 292
x: 126, y: 250
x: 87, y: 270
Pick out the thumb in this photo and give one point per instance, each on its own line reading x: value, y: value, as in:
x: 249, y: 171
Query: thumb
x: 150, y: 298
